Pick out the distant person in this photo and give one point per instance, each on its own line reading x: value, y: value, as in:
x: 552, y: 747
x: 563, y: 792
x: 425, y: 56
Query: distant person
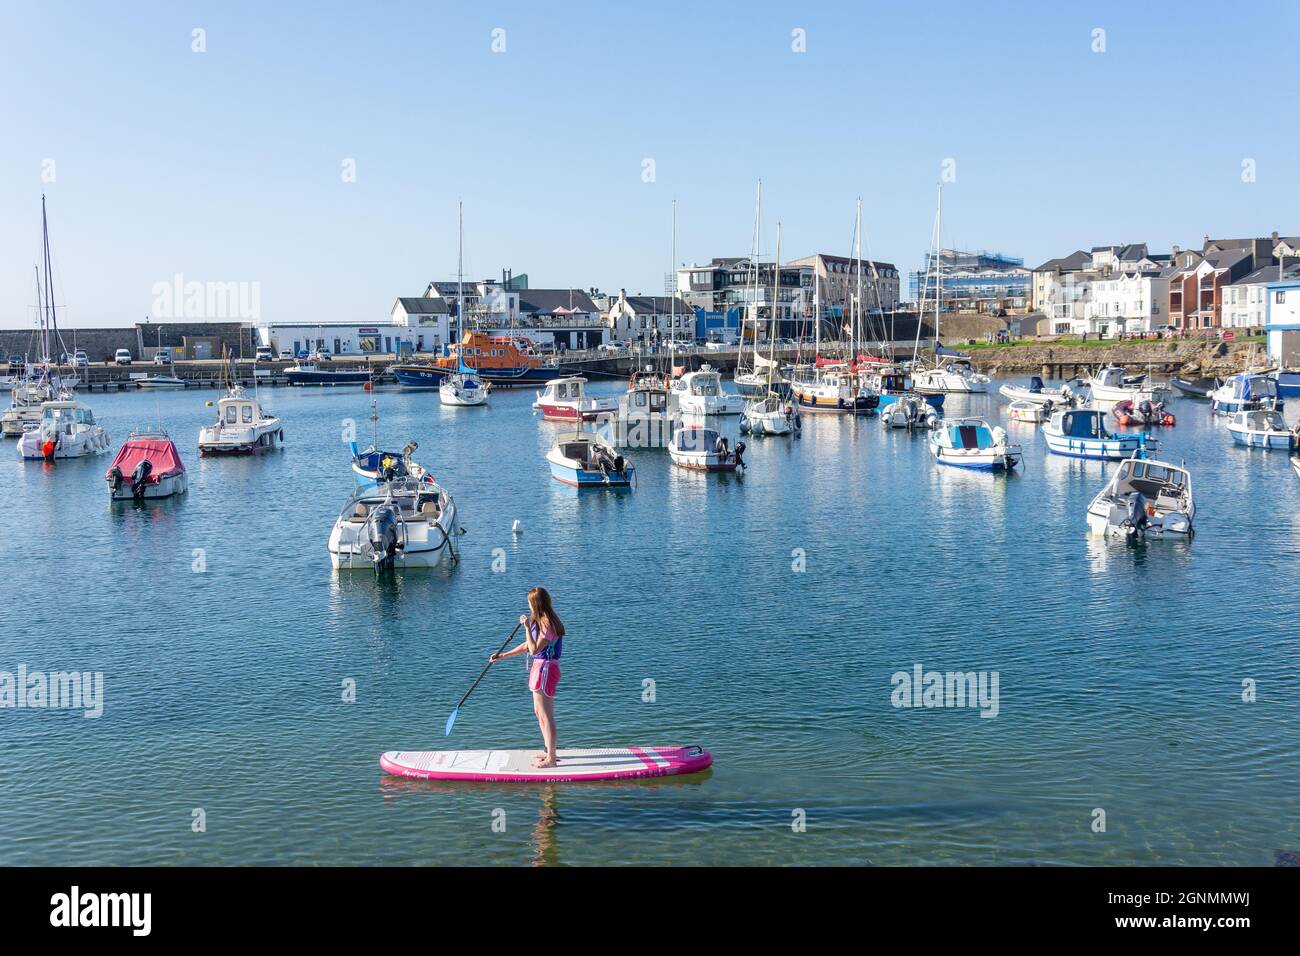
x: 543, y: 642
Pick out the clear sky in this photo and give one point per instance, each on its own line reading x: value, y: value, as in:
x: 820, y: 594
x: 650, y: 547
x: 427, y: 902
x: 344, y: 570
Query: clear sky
x: 227, y: 165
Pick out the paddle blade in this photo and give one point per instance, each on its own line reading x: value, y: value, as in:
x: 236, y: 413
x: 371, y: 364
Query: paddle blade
x: 451, y: 720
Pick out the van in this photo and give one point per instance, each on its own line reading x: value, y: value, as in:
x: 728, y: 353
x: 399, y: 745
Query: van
x: 122, y: 357
x: 264, y: 354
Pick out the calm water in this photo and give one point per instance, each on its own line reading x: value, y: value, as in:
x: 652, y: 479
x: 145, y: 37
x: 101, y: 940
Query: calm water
x: 1120, y: 668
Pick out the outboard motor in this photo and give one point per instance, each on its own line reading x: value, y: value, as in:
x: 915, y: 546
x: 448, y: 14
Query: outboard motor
x: 116, y: 477
x: 740, y: 451
x: 1047, y: 405
x: 384, y: 535
x: 140, y: 478
x: 1068, y: 394
x: 1129, y: 516
x: 1147, y: 412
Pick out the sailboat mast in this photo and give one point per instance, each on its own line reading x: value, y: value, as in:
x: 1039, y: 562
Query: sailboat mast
x: 672, y: 302
x: 49, y: 279
x: 938, y: 273
x: 857, y: 297
x: 776, y: 300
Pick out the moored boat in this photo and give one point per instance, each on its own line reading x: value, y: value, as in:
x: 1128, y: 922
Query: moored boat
x: 1036, y: 392
x: 698, y: 448
x: 891, y: 384
x: 954, y: 375
x: 771, y: 415
x: 1030, y: 412
x: 973, y: 443
x: 463, y: 390
x: 834, y: 388
x: 160, y: 382
x: 397, y: 524
x: 565, y: 400
x: 909, y: 411
x: 1244, y: 392
x: 1195, y: 387
x: 1082, y: 433
x: 1143, y: 414
x: 146, y: 467
x: 647, y: 412
x: 241, y: 428
x: 502, y: 362
x: 1263, y: 428
x: 67, y: 429
x: 312, y: 372
x: 585, y: 460
x: 375, y: 464
x: 700, y: 393
x: 1110, y: 384
x: 1144, y: 499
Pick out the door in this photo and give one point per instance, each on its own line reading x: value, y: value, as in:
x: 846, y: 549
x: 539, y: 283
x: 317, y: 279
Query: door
x: 338, y: 346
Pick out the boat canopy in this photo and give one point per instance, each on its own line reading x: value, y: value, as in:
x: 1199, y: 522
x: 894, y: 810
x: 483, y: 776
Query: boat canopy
x: 159, y: 452
x: 944, y: 350
x: 1036, y: 384
x: 969, y: 435
x: 1084, y: 423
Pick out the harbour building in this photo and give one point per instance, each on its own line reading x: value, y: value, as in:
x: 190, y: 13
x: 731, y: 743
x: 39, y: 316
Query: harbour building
x: 978, y: 281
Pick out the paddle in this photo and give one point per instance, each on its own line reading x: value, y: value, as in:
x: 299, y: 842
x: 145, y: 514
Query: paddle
x: 452, y: 719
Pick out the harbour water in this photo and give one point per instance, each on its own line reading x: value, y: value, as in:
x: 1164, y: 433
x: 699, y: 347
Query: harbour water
x: 770, y: 614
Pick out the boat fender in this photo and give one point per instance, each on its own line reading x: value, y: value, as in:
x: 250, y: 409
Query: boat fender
x: 48, y: 448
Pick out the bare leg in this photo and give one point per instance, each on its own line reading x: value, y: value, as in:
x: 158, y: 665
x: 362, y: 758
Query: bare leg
x: 544, y: 708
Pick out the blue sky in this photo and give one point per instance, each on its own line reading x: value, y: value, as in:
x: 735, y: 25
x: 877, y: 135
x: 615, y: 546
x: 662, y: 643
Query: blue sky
x: 225, y: 166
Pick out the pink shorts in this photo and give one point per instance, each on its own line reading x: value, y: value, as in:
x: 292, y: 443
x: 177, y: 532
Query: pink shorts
x: 544, y: 676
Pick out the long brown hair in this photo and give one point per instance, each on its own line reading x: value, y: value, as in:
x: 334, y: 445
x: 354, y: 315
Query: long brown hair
x: 539, y: 602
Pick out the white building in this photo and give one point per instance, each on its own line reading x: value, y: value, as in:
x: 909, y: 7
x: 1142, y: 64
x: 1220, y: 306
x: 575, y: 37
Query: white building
x: 645, y: 318
x: 1282, y: 319
x: 1125, y: 302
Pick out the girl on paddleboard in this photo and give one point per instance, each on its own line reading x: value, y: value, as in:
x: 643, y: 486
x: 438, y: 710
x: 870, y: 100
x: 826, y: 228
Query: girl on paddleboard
x: 543, y: 642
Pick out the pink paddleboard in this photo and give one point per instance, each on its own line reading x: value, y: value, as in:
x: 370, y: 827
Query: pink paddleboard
x: 515, y: 766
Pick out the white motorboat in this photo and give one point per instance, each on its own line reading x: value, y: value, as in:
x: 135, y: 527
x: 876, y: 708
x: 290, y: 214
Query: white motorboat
x: 67, y: 429
x: 585, y: 460
x: 698, y: 448
x: 1245, y: 392
x: 1031, y: 412
x: 909, y: 411
x: 160, y: 381
x: 1144, y: 499
x: 1112, y: 385
x: 147, y: 466
x: 1263, y: 428
x: 241, y: 428
x: 1037, y: 393
x: 972, y: 443
x: 565, y: 400
x: 398, y: 524
x: 647, y: 412
x: 1082, y: 433
x: 771, y: 415
x: 28, y: 397
x: 463, y: 390
x: 700, y: 393
x: 953, y: 376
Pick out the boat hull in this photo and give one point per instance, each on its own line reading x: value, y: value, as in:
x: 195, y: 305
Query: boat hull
x: 582, y: 478
x: 266, y: 441
x: 85, y: 445
x: 431, y: 376
x: 1271, y: 440
x: 326, y: 379
x: 166, y: 487
x: 1102, y: 449
x: 935, y: 400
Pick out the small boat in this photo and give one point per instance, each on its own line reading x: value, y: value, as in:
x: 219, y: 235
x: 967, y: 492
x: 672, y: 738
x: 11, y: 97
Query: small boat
x: 1288, y: 382
x: 1144, y: 499
x: 1110, y: 384
x: 834, y: 388
x: 909, y: 411
x: 1263, y: 428
x: 893, y: 384
x: 585, y: 460
x: 67, y: 429
x: 501, y: 361
x: 374, y: 464
x: 1030, y: 412
x: 705, y: 449
x: 954, y: 375
x: 971, y: 443
x: 241, y: 428
x: 1082, y: 433
x: 772, y: 415
x: 402, y: 523
x: 565, y: 400
x: 28, y: 394
x: 160, y: 381
x: 647, y: 412
x: 1036, y: 392
x: 463, y: 390
x: 1245, y: 392
x: 147, y: 467
x: 700, y: 393
x: 1195, y: 387
x: 1142, y: 415
x: 311, y: 372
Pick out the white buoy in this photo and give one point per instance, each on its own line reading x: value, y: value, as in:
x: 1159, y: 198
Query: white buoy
x: 516, y: 529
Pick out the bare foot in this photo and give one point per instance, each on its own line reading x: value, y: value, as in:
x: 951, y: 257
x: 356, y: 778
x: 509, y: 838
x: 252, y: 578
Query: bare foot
x: 539, y: 760
x: 543, y: 761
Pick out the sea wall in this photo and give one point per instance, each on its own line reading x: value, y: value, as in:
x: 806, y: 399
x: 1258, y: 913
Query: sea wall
x: 1189, y: 357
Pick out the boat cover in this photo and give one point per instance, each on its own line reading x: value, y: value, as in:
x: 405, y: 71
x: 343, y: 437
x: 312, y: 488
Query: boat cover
x: 1036, y: 384
x: 972, y: 436
x: 1086, y: 423
x: 160, y: 452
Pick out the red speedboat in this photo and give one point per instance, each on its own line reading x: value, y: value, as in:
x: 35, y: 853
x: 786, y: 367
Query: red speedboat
x: 147, y: 466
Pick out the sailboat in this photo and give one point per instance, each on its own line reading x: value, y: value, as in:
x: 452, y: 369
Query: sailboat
x: 464, y: 389
x: 762, y: 375
x: 771, y: 414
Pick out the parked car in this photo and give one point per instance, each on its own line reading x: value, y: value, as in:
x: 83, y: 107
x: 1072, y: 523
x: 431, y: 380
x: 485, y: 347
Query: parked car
x: 713, y: 346
x: 610, y: 347
x: 162, y: 358
x: 286, y: 353
x: 122, y: 356
x: 80, y: 359
x: 303, y: 354
x: 264, y: 354
x: 16, y: 361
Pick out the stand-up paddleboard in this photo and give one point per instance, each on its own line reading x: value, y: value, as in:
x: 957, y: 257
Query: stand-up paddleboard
x: 516, y: 766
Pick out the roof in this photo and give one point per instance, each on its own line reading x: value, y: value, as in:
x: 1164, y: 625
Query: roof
x: 1133, y: 252
x: 845, y: 260
x: 549, y: 300
x: 423, y: 305
x: 1074, y: 262
x: 658, y: 305
x: 1266, y: 274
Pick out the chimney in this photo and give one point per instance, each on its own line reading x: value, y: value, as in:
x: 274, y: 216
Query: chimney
x: 1273, y: 236
x: 1175, y: 252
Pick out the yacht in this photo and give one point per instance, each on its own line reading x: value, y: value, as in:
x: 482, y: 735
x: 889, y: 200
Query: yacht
x: 647, y: 412
x: 1036, y: 392
x: 397, y: 524
x: 565, y: 400
x: 771, y: 415
x: 241, y: 428
x: 971, y: 443
x: 954, y: 375
x: 837, y: 389
x: 1245, y: 392
x: 1112, y: 385
x: 1144, y: 499
x: 147, y: 466
x: 463, y: 390
x: 700, y: 393
x: 67, y: 429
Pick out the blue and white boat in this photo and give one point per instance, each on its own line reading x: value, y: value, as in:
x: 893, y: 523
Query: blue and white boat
x: 585, y: 460
x: 891, y: 384
x: 1082, y: 433
x: 972, y: 443
x: 1288, y: 382
x: 1263, y: 428
x: 1244, y: 392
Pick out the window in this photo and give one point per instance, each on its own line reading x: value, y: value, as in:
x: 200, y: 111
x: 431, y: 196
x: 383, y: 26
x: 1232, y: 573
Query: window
x: 248, y: 413
x: 1279, y: 298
